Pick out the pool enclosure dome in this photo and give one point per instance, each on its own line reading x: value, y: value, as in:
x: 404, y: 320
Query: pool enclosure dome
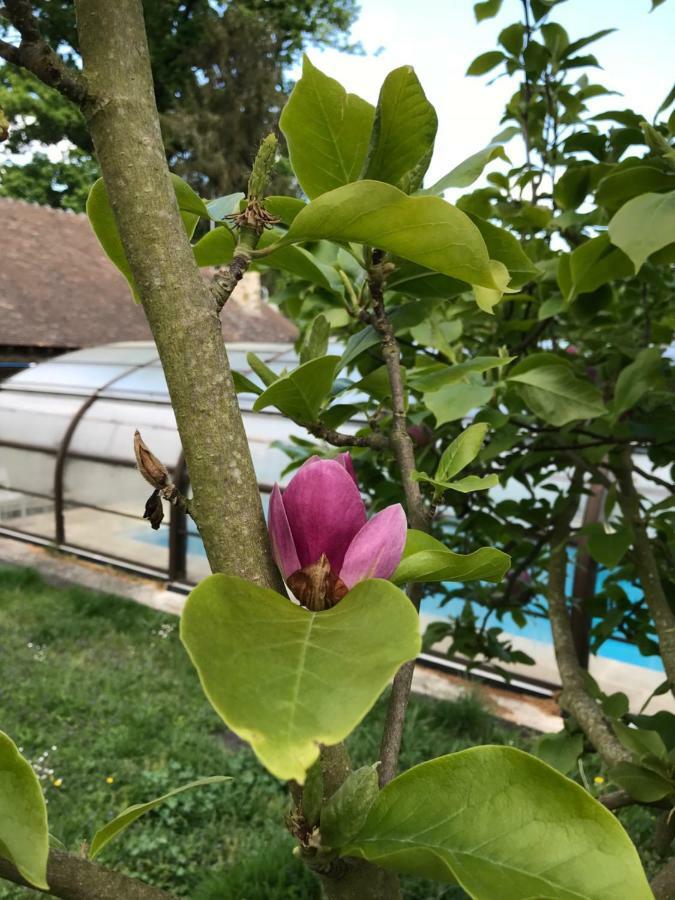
x: 67, y: 469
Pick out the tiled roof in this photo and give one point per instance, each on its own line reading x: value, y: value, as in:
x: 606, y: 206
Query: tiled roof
x: 59, y: 290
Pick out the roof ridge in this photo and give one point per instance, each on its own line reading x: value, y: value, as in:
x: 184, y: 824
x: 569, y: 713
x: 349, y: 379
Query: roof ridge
x: 56, y: 209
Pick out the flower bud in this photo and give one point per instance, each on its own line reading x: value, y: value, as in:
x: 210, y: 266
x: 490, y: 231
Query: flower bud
x: 154, y: 471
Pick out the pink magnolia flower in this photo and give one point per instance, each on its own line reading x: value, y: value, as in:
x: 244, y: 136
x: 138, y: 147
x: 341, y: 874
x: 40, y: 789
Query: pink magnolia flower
x: 321, y: 539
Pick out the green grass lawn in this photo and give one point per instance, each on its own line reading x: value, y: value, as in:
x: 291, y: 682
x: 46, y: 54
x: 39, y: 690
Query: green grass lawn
x: 100, y: 694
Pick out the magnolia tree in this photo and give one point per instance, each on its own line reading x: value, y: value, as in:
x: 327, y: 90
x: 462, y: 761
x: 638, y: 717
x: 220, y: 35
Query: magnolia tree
x: 300, y: 629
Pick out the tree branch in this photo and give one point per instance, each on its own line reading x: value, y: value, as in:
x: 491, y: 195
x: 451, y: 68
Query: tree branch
x: 73, y: 878
x: 340, y: 439
x: 663, y: 885
x: 646, y: 564
x: 178, y: 304
x: 574, y: 696
x: 36, y: 55
x: 417, y: 514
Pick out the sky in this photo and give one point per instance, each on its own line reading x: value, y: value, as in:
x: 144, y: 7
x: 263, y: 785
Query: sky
x: 439, y: 38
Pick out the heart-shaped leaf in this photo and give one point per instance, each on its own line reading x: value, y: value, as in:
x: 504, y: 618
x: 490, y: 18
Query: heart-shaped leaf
x: 502, y: 824
x: 286, y: 679
x: 300, y: 393
x: 426, y: 559
x: 128, y: 816
x: 24, y: 836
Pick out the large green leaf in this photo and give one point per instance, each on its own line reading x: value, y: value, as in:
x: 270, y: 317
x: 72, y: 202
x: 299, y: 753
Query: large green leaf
x: 456, y: 400
x: 641, y: 783
x: 327, y: 131
x: 24, y: 836
x: 463, y: 450
x: 103, y: 222
x: 299, y: 394
x: 504, y: 825
x: 426, y: 559
x: 287, y: 679
x: 425, y: 230
x: 404, y: 129
x: 553, y: 391
x: 128, y: 816
x: 619, y: 187
x: 644, y: 225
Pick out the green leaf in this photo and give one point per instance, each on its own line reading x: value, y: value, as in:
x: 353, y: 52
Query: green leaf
x: 404, y: 129
x: 591, y: 265
x: 619, y: 187
x: 485, y: 62
x: 555, y: 393
x: 300, y: 393
x: 103, y: 223
x: 128, y: 816
x: 560, y: 750
x: 244, y: 385
x: 434, y: 377
x: 507, y: 249
x: 641, y: 741
x: 512, y: 38
x: 315, y: 343
x: 425, y: 230
x: 642, y: 375
x: 345, y: 813
x: 502, y: 824
x: 426, y: 559
x: 261, y: 369
x: 222, y: 207
x: 215, y: 248
x: 642, y: 784
x: 456, y: 400
x: 24, y: 836
x: 464, y: 485
x: 644, y: 225
x: 607, y: 548
x: 488, y: 9
x: 463, y: 450
x: 285, y: 208
x: 327, y: 131
x: 298, y: 261
x: 286, y: 679
x: 468, y: 171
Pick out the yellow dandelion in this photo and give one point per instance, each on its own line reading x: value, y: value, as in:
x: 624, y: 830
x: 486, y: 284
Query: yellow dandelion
x: 109, y: 779
x: 598, y: 779
x: 57, y: 782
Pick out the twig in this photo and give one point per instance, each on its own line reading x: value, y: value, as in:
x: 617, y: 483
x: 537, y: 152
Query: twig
x: 663, y: 885
x: 36, y: 55
x: 74, y: 878
x: 340, y: 439
x: 417, y: 514
x: 646, y: 564
x: 574, y: 696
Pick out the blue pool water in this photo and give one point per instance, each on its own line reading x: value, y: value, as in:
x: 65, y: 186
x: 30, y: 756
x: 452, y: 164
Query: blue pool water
x: 536, y: 628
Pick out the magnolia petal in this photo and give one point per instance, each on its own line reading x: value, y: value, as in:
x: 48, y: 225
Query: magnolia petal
x: 325, y: 511
x: 376, y: 550
x: 281, y: 537
x: 345, y: 460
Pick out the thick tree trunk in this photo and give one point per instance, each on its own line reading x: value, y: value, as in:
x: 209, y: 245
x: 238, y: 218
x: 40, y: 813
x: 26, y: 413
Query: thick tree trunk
x: 122, y: 117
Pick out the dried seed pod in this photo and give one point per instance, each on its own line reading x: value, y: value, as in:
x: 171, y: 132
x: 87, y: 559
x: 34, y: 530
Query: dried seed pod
x: 152, y: 469
x: 154, y: 511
